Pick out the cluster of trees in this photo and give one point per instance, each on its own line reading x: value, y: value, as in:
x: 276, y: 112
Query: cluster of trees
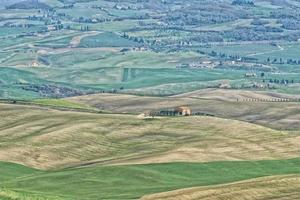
x: 257, y: 34
x: 282, y: 81
x: 84, y: 28
x: 102, y: 19
x: 286, y: 13
x: 293, y: 62
x: 35, y: 18
x: 288, y: 17
x: 269, y: 29
x: 231, y: 57
x: 85, y: 20
x: 281, y: 61
x: 244, y: 34
x: 10, y: 24
x: 47, y: 90
x: 243, y: 2
x: 134, y: 39
x: 196, y: 17
x: 290, y: 24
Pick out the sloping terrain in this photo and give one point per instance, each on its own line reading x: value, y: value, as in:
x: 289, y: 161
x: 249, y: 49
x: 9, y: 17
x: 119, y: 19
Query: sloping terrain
x: 29, y: 4
x: 76, y: 76
x: 45, y: 138
x: 241, y: 95
x: 267, y: 188
x: 217, y: 102
x: 135, y: 181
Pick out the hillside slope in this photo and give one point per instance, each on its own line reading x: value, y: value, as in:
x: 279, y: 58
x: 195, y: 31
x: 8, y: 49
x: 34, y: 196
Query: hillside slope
x: 267, y: 188
x: 45, y: 138
x: 218, y: 102
x: 135, y: 181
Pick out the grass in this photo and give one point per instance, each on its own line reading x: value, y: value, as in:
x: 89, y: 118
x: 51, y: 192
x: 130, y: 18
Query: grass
x: 55, y: 43
x: 106, y: 39
x: 47, y: 139
x: 77, y: 12
x: 106, y: 69
x: 154, y: 73
x: 5, y: 31
x: 78, y: 154
x: 10, y: 171
x: 13, y: 195
x: 7, y: 14
x: 226, y: 26
x: 12, y: 80
x: 262, y: 52
x: 146, y: 59
x: 95, y: 59
x: 134, y: 181
x: 222, y: 103
x: 9, y: 76
x: 60, y: 103
x: 272, y: 187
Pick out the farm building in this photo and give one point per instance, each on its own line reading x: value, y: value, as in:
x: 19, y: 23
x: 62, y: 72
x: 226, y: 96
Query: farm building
x: 247, y: 75
x: 183, y: 110
x: 179, y: 111
x: 34, y: 64
x: 225, y: 85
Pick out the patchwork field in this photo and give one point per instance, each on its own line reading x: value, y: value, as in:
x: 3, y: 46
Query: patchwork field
x: 78, y: 79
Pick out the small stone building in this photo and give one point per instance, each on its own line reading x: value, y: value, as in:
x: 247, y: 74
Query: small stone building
x: 183, y: 110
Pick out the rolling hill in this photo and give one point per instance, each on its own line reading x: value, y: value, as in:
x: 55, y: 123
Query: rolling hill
x: 136, y: 181
x: 48, y: 139
x: 29, y: 4
x: 218, y: 102
x: 274, y: 187
x: 78, y: 79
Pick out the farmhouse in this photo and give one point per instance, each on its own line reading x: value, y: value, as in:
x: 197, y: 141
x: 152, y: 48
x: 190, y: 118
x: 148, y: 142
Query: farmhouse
x: 183, y: 111
x: 225, y: 85
x: 179, y: 111
x: 250, y: 75
x: 51, y: 28
x: 34, y: 64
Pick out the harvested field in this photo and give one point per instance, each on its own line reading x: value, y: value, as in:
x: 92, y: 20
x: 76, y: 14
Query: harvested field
x: 45, y: 138
x: 267, y: 188
x: 220, y: 103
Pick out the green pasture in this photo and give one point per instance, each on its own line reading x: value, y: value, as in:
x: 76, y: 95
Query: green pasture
x: 107, y: 39
x: 117, y: 26
x: 134, y: 181
x: 5, y: 31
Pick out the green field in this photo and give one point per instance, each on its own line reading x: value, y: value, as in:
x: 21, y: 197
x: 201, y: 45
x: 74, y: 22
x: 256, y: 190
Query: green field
x: 132, y: 182
x: 95, y: 163
x: 106, y: 39
x: 51, y: 138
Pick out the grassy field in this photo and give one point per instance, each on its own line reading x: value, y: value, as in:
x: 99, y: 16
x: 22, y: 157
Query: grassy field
x: 46, y: 138
x: 218, y: 102
x: 96, y: 143
x: 100, y: 65
x: 60, y: 103
x: 261, y: 52
x: 149, y: 77
x: 132, y: 182
x: 94, y: 156
x: 274, y: 187
x: 107, y: 39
